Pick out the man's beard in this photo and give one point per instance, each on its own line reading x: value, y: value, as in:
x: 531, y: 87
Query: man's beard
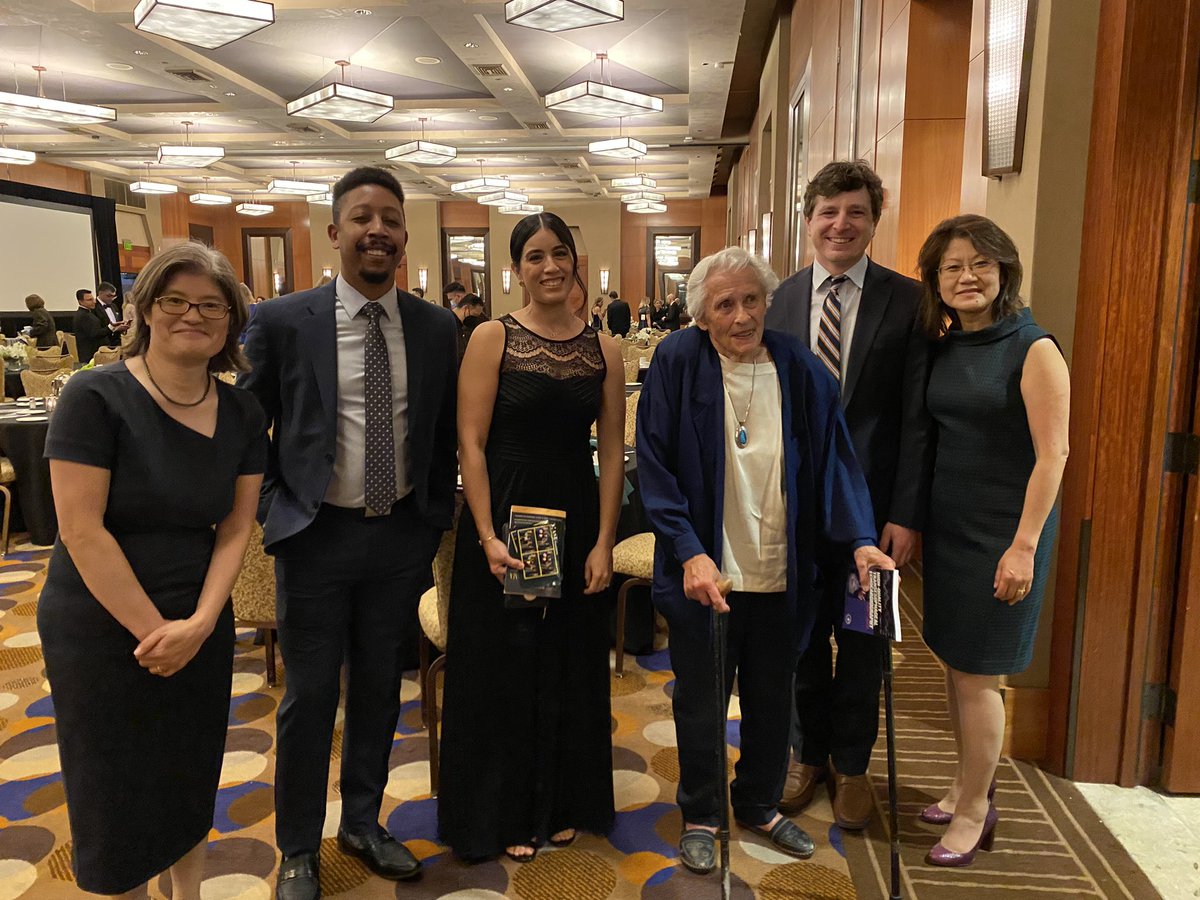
x: 375, y: 277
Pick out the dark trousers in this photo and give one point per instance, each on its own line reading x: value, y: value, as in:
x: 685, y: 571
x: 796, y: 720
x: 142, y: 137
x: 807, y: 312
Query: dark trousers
x: 761, y: 653
x: 348, y: 591
x: 837, y: 711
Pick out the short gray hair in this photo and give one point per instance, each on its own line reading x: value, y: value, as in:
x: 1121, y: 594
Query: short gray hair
x: 731, y: 259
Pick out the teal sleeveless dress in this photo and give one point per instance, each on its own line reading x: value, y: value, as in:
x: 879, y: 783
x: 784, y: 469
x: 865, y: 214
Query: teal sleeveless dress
x: 984, y: 460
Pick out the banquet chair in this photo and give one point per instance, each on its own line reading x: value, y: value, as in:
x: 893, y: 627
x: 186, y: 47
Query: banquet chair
x: 633, y: 558
x: 38, y: 384
x: 105, y: 355
x: 7, y: 476
x: 49, y: 360
x: 631, y: 370
x: 433, y: 613
x: 66, y: 337
x: 254, y: 596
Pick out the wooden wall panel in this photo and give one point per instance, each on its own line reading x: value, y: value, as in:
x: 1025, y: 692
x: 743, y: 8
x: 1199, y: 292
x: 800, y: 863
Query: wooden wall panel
x: 709, y: 215
x: 932, y: 161
x: 49, y: 175
x: 841, y: 134
x: 939, y: 41
x: 463, y: 214
x: 823, y: 77
x: 973, y: 198
x: 889, y: 162
x: 820, y: 145
x: 892, y: 9
x: 893, y: 67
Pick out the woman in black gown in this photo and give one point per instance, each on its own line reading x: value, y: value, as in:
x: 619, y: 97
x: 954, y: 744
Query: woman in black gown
x: 526, y: 741
x: 156, y: 466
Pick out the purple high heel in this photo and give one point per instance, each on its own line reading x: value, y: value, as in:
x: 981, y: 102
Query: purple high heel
x: 940, y: 856
x: 935, y: 815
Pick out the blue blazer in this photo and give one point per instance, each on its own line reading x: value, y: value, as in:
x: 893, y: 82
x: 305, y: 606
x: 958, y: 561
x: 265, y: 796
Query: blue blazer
x: 292, y: 347
x: 681, y: 466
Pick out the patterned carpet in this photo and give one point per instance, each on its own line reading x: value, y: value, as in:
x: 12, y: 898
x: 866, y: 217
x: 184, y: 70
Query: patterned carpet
x: 1052, y: 845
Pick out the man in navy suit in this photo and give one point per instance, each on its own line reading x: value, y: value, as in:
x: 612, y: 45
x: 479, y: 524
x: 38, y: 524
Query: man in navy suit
x: 358, y: 382
x: 859, y: 318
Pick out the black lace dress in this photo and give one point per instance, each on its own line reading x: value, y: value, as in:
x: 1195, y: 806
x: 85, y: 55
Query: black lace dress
x: 526, y: 731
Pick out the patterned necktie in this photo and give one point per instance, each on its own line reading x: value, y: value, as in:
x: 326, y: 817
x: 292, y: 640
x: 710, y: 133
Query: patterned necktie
x: 380, y: 468
x: 829, y: 335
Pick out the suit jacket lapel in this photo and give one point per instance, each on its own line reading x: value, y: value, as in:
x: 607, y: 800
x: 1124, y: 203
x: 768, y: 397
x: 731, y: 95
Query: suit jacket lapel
x: 872, y: 305
x: 414, y: 352
x: 803, y: 308
x: 318, y: 337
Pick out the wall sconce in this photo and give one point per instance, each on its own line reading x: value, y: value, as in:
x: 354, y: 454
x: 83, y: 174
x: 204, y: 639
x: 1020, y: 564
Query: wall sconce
x: 1007, y: 62
x: 506, y: 279
x: 766, y: 236
x: 604, y: 281
x: 752, y: 241
x: 326, y: 271
x: 423, y: 277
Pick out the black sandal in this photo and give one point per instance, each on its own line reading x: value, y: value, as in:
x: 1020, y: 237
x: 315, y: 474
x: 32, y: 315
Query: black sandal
x: 566, y: 842
x: 522, y: 858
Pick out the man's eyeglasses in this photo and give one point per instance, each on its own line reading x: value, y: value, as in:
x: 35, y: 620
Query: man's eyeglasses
x: 954, y: 270
x: 177, y: 306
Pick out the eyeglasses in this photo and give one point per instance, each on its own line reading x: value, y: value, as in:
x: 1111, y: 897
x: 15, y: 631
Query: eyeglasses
x: 177, y: 306
x: 954, y: 270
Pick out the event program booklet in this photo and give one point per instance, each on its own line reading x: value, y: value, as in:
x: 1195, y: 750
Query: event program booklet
x: 536, y: 537
x: 875, y: 610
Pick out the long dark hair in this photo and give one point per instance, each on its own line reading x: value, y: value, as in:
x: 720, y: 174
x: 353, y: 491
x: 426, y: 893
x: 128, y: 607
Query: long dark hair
x: 531, y: 225
x: 989, y: 241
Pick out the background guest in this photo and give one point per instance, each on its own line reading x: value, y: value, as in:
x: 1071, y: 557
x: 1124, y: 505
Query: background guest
x: 452, y: 293
x: 108, y: 311
x: 618, y: 316
x: 674, y: 314
x: 417, y: 292
x: 90, y: 333
x: 658, y: 314
x: 597, y: 309
x: 745, y: 464
x: 134, y: 619
x: 859, y: 318
x: 526, y: 740
x: 42, y: 328
x: 643, y: 314
x: 469, y: 312
x: 999, y: 393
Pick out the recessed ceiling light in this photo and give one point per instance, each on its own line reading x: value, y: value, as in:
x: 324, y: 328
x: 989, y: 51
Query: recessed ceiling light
x: 508, y: 90
x: 488, y: 118
x: 362, y: 12
x: 247, y: 122
x: 471, y: 45
x: 472, y: 110
x: 119, y: 67
x: 231, y: 93
x: 427, y: 60
x: 279, y: 143
x: 141, y: 52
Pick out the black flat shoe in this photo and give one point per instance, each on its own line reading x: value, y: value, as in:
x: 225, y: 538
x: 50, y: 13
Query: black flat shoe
x: 565, y: 842
x: 522, y: 857
x: 299, y: 878
x: 383, y: 854
x: 787, y: 837
x: 698, y: 850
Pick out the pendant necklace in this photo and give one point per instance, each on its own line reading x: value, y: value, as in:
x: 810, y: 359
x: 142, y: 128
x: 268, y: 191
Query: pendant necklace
x: 741, y: 437
x: 172, y: 401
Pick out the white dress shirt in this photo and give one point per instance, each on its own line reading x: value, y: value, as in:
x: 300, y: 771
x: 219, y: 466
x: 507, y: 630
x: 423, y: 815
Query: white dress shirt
x: 849, y: 294
x: 346, y: 486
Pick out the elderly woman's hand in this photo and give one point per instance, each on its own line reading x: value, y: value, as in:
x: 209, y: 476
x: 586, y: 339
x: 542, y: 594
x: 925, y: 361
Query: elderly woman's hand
x: 865, y: 557
x: 700, y: 577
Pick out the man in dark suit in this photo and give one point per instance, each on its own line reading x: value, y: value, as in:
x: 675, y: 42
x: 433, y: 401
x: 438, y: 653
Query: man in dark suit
x: 358, y: 382
x: 108, y: 311
x: 618, y: 316
x: 859, y: 318
x: 90, y: 334
x: 674, y: 313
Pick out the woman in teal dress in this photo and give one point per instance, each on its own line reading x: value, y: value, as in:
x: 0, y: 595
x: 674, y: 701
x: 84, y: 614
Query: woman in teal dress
x: 999, y: 394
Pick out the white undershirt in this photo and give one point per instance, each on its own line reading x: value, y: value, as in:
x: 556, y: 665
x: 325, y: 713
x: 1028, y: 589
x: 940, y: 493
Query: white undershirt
x: 754, y: 520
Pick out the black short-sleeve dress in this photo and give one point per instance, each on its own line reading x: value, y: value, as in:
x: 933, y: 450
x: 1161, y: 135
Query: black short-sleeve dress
x: 141, y: 754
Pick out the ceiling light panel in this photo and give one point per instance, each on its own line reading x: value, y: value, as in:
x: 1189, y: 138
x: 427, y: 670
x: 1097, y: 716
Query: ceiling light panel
x: 203, y: 23
x: 483, y: 185
x: 255, y: 209
x: 592, y: 98
x: 342, y: 102
x: 422, y: 153
x: 521, y: 209
x: 295, y: 188
x: 58, y: 112
x: 635, y: 196
x: 503, y: 198
x: 646, y: 206
x: 619, y: 148
x: 210, y: 198
x: 636, y: 182
x: 189, y: 155
x: 153, y: 187
x: 562, y: 15
x: 11, y: 157
x: 323, y: 199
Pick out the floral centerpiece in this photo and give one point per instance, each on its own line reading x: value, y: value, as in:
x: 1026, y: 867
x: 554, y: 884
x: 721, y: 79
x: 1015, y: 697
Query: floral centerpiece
x: 14, y: 355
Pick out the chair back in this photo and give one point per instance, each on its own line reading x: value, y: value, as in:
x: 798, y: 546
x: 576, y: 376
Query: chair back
x: 37, y: 384
x: 631, y: 405
x: 254, y: 590
x: 66, y: 337
x: 443, y: 568
x: 105, y: 355
x: 48, y: 360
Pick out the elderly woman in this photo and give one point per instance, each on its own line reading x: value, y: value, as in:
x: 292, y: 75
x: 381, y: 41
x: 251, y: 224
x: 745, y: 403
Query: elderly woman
x: 156, y: 466
x: 999, y: 395
x: 42, y: 327
x: 745, y: 464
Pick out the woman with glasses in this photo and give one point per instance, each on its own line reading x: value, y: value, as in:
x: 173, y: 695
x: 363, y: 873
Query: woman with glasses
x: 156, y: 466
x: 999, y: 395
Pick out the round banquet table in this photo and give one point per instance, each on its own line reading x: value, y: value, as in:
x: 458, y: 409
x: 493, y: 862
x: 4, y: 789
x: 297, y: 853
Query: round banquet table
x: 13, y: 386
x: 23, y: 441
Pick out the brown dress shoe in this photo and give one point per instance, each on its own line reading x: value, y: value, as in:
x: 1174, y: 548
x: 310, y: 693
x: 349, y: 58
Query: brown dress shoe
x: 852, y: 801
x: 800, y: 786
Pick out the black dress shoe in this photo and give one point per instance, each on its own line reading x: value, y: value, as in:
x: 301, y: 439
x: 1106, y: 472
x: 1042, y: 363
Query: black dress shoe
x: 299, y: 878
x: 383, y: 854
x: 698, y: 850
x: 787, y: 837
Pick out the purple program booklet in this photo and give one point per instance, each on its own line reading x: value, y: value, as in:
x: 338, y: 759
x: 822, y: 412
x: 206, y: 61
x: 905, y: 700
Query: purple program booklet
x: 875, y: 610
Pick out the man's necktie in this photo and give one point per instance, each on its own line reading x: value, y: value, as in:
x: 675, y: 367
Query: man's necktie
x: 829, y: 335
x: 380, y: 469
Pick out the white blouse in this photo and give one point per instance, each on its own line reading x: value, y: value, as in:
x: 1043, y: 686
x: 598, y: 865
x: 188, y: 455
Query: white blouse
x: 754, y: 534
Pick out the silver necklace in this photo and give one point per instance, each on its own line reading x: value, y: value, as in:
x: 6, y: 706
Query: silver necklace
x: 741, y: 436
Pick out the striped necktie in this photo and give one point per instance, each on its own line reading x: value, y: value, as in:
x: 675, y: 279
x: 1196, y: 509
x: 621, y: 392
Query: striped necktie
x: 379, y: 485
x: 829, y: 334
